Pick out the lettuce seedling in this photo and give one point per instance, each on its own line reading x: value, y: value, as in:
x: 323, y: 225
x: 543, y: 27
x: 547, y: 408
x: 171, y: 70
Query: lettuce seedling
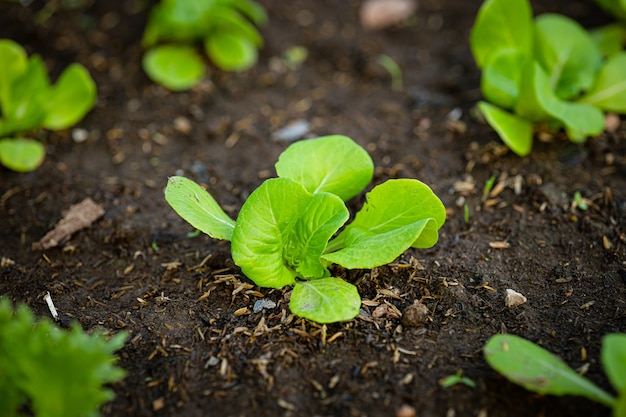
x: 545, y: 70
x: 537, y: 370
x: 28, y: 102
x: 47, y: 371
x: 226, y: 28
x: 286, y: 231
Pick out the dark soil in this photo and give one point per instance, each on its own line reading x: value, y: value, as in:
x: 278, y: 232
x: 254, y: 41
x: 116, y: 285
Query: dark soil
x: 196, y: 348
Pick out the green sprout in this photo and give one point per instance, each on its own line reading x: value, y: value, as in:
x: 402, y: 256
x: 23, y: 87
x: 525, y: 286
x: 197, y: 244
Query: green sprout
x: 393, y: 69
x: 538, y: 370
x: 488, y: 187
x: 455, y: 379
x: 286, y: 233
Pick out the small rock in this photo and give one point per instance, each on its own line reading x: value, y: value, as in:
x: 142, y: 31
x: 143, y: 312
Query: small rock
x: 406, y: 411
x: 415, y: 315
x: 292, y: 131
x: 260, y: 305
x: 80, y: 135
x: 513, y: 298
x: 380, y: 14
x: 182, y: 124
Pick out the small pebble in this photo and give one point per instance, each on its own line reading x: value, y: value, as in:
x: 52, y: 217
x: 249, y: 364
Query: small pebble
x: 292, y: 131
x: 414, y: 315
x: 514, y: 298
x: 260, y: 305
x: 80, y: 135
x: 406, y: 411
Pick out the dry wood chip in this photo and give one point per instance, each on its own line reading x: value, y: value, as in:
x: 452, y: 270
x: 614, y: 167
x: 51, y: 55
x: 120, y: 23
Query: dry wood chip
x: 499, y: 245
x: 79, y: 216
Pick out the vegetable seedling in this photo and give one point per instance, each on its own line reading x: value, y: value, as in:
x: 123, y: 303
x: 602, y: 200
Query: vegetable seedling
x: 52, y: 372
x: 546, y: 70
x: 286, y: 231
x: 534, y: 368
x: 28, y: 102
x: 393, y: 69
x: 225, y: 27
x: 456, y: 379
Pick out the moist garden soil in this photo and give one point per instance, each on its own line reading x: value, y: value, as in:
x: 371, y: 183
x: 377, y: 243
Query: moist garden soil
x: 196, y: 346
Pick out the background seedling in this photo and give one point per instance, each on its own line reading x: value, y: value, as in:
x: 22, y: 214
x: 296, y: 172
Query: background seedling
x: 393, y: 69
x: 286, y: 231
x: 536, y: 369
x: 28, y: 102
x: 546, y: 70
x: 456, y: 379
x: 225, y: 27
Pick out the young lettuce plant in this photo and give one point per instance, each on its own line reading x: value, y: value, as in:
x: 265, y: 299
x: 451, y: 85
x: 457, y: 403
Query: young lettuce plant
x: 46, y: 371
x: 547, y: 70
x: 537, y: 370
x: 286, y: 231
x: 226, y: 27
x: 28, y: 102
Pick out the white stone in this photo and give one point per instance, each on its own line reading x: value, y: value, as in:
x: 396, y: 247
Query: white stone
x: 514, y: 298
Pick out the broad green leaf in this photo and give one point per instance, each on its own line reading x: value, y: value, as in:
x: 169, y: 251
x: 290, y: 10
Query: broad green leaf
x: 308, y: 237
x: 14, y: 61
x: 616, y: 7
x: 325, y: 300
x: 198, y: 208
x: 392, y: 220
x: 230, y: 52
x: 25, y: 110
x: 69, y: 100
x: 20, y: 154
x: 515, y: 131
x: 177, y: 67
x: 502, y: 24
x: 334, y: 164
x: 501, y: 77
x: 610, y: 38
x: 613, y: 358
x: 536, y: 369
x: 539, y: 103
x: 263, y: 229
x: 250, y: 9
x: 609, y: 91
x: 177, y: 21
x: 226, y: 20
x: 567, y: 53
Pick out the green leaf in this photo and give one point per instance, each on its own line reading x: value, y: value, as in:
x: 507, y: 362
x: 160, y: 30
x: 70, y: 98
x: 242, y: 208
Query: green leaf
x: 63, y: 373
x: 177, y: 21
x: 613, y: 358
x: 20, y: 154
x: 177, y: 67
x: 307, y: 239
x: 501, y: 77
x: 263, y: 229
x: 539, y: 103
x: 325, y: 300
x: 25, y: 110
x: 230, y: 52
x: 334, y: 164
x: 198, y: 208
x: 69, y: 100
x: 398, y: 214
x: 227, y: 20
x: 610, y: 38
x: 609, y: 91
x: 14, y: 62
x: 619, y: 408
x: 567, y: 53
x: 502, y: 24
x: 515, y: 131
x: 615, y: 7
x: 537, y: 370
x: 250, y: 9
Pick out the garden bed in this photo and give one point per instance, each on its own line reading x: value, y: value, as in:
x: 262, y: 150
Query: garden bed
x: 196, y: 346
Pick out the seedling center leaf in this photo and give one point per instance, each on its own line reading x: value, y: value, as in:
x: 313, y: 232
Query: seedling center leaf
x: 567, y: 53
x: 613, y: 358
x: 502, y: 24
x: 265, y: 244
x: 198, y: 208
x: 500, y: 82
x: 536, y: 369
x: 609, y: 91
x: 21, y: 154
x: 177, y: 67
x: 325, y: 300
x: 381, y: 231
x: 14, y: 61
x: 334, y: 164
x: 67, y: 102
